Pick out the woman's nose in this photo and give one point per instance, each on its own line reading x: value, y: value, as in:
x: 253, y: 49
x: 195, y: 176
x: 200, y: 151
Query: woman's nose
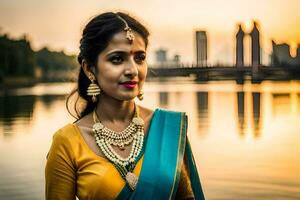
x: 131, y: 68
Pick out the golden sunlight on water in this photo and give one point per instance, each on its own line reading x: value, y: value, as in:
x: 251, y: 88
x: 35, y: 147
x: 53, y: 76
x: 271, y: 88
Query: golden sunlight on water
x: 245, y: 138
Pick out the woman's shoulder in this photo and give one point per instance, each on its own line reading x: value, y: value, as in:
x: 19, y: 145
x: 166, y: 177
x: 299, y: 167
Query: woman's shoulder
x: 146, y: 113
x: 62, y: 143
x: 171, y: 113
x: 66, y: 131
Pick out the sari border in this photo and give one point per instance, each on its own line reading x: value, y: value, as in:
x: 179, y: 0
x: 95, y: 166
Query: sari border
x: 181, y: 146
x: 125, y: 191
x: 193, y: 173
x: 180, y: 154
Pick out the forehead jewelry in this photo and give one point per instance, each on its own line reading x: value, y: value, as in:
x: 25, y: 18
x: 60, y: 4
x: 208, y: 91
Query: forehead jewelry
x: 129, y: 33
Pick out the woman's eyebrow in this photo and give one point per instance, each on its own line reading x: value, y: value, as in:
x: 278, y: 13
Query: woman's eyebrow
x: 125, y: 52
x: 117, y: 52
x: 141, y: 51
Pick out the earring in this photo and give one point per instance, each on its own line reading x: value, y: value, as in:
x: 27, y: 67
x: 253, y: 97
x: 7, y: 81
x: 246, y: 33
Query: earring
x: 93, y: 89
x: 140, y: 95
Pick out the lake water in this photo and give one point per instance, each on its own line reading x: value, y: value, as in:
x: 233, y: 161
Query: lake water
x: 245, y: 138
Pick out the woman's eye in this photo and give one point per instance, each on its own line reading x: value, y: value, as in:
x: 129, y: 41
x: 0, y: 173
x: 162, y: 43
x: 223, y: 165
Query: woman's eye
x: 116, y: 59
x: 140, y: 58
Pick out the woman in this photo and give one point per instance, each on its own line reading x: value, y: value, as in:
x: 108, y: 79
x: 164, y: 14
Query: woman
x: 117, y: 149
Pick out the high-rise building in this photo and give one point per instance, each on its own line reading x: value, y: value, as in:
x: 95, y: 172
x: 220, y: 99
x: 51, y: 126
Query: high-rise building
x: 161, y: 56
x: 255, y: 46
x: 281, y: 55
x: 298, y: 52
x: 240, y: 47
x: 176, y: 58
x: 201, y: 48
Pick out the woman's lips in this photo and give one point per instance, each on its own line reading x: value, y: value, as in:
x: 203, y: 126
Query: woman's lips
x: 129, y: 84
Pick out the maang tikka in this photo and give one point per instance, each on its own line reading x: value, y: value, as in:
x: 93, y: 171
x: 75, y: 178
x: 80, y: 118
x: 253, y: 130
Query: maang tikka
x: 93, y: 89
x: 129, y: 33
x: 130, y: 37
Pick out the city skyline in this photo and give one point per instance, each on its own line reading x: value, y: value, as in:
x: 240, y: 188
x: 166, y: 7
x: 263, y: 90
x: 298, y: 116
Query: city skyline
x: 58, y: 24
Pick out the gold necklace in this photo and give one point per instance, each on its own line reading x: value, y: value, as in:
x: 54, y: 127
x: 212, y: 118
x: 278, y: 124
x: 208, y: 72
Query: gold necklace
x: 123, y: 138
x: 107, y: 138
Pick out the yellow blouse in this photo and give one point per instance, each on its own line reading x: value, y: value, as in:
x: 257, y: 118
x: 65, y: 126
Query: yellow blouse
x: 73, y: 169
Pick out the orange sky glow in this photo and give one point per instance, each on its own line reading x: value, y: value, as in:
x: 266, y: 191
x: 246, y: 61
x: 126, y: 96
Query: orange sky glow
x: 58, y: 24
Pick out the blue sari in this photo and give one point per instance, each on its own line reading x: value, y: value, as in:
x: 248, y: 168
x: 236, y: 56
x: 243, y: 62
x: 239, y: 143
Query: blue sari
x: 163, y: 158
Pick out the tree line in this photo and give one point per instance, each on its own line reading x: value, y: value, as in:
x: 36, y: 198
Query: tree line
x: 18, y: 59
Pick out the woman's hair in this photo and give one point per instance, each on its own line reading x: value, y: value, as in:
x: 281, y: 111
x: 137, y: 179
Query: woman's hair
x: 95, y: 38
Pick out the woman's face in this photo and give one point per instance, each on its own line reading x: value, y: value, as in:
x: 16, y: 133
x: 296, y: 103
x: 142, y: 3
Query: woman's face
x: 122, y: 67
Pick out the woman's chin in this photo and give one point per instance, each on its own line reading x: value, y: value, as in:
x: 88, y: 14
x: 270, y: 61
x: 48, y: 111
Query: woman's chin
x: 126, y: 97
x: 129, y: 98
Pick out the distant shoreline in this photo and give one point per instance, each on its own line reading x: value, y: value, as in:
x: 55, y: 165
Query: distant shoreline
x: 25, y: 81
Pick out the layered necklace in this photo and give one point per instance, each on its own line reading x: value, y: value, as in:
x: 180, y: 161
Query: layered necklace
x: 133, y: 134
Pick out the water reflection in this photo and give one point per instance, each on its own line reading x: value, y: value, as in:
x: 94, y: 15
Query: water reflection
x: 281, y: 103
x: 251, y: 144
x: 202, y: 108
x: 15, y: 110
x: 256, y: 113
x: 18, y: 110
x: 241, y: 112
x: 12, y: 106
x: 163, y: 99
x: 298, y: 103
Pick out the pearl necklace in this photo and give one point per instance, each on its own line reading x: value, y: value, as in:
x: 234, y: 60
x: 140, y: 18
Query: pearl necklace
x: 133, y: 133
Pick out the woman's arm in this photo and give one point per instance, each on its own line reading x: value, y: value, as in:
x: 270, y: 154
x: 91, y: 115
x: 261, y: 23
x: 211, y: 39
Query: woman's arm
x: 184, y: 191
x: 60, y: 173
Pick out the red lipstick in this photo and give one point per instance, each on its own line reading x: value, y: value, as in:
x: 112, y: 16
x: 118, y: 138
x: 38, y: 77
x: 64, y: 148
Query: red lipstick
x: 129, y: 84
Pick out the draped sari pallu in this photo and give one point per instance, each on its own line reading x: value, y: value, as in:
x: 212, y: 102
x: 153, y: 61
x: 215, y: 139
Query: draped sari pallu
x: 163, y: 158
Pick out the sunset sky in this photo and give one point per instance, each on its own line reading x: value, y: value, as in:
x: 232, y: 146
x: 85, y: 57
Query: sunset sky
x: 58, y: 24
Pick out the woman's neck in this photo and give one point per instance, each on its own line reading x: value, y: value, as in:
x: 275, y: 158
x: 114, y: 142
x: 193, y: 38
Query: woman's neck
x: 111, y: 109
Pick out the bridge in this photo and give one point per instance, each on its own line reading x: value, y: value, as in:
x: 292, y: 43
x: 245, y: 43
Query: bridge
x: 209, y: 73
